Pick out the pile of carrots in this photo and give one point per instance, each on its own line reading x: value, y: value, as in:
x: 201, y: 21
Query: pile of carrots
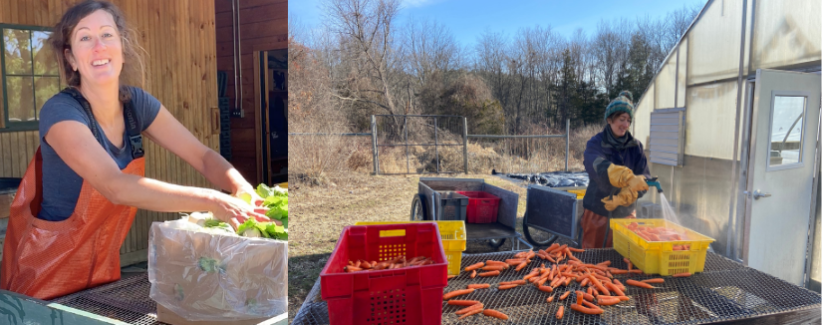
x: 395, y: 263
x: 602, y: 288
x: 660, y: 234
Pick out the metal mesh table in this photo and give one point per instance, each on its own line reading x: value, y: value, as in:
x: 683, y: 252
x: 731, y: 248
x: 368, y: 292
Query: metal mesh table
x: 125, y: 300
x: 727, y: 292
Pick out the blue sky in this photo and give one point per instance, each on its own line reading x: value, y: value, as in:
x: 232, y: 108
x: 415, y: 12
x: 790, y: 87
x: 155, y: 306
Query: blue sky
x: 467, y: 19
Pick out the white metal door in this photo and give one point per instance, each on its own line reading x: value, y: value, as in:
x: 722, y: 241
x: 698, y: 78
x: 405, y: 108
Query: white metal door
x: 780, y: 179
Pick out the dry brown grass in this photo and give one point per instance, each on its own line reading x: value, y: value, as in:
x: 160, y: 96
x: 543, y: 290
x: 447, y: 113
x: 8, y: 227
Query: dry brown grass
x: 504, y: 155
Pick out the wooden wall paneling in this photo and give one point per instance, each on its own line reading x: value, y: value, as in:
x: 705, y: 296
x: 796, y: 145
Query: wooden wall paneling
x: 8, y: 164
x: 256, y: 94
x: 19, y: 146
x: 3, y: 151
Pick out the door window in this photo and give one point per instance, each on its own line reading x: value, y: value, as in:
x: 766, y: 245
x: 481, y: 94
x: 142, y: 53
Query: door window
x: 787, y: 123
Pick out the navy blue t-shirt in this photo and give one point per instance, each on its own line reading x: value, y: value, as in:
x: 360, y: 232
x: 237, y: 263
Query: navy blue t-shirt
x: 61, y: 185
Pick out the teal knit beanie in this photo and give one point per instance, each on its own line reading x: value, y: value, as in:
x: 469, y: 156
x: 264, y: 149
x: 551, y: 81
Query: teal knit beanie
x: 622, y: 103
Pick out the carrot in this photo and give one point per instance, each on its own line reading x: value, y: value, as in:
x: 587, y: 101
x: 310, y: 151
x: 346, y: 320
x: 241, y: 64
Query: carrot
x: 479, y: 286
x: 521, y: 266
x: 493, y: 262
x: 455, y: 293
x: 546, y: 288
x: 451, y: 277
x: 618, y: 271
x: 657, y: 280
x: 576, y: 250
x: 366, y: 265
x: 615, y: 288
x: 551, y: 298
x: 491, y: 273
x: 352, y: 269
x: 564, y: 295
x: 590, y: 305
x: 560, y: 312
x: 506, y: 287
x: 680, y: 275
x: 639, y: 284
x: 619, y: 284
x: 585, y: 310
x: 475, y: 311
x: 473, y: 274
x: 599, y: 285
x: 585, y: 295
x: 474, y: 266
x: 607, y: 300
x: 493, y: 268
x: 463, y: 302
x: 579, y: 298
x: 469, y: 308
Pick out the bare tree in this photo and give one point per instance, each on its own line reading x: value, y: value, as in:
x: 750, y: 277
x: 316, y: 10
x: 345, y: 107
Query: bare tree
x: 366, y: 36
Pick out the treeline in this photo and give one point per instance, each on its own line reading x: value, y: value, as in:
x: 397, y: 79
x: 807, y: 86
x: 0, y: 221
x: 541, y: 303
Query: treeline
x: 362, y: 62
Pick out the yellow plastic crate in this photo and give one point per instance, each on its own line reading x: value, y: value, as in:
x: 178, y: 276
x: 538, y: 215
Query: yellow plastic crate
x: 580, y: 193
x: 659, y: 257
x: 452, y: 233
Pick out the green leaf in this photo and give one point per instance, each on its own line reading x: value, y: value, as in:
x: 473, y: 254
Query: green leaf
x: 277, y: 232
x: 263, y: 191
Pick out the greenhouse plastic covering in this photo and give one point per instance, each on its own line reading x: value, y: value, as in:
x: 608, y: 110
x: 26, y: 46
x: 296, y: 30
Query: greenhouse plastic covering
x: 664, y: 84
x: 786, y: 32
x: 207, y: 274
x: 713, y: 43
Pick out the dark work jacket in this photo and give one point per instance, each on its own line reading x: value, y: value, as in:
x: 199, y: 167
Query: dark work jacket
x: 599, y: 155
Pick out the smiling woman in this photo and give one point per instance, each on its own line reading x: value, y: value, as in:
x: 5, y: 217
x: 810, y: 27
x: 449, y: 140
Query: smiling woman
x: 81, y: 191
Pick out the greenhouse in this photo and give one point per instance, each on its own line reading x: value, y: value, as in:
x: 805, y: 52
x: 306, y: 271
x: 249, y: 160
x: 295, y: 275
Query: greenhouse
x: 730, y: 125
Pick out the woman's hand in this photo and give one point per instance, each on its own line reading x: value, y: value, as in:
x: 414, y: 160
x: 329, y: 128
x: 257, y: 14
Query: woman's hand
x: 235, y: 211
x: 256, y: 200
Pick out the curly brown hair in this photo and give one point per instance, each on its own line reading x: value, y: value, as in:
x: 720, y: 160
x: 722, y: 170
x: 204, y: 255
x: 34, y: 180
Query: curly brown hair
x: 133, y: 72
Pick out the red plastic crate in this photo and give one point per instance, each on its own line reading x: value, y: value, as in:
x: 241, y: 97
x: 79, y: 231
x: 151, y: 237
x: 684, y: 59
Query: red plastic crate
x: 482, y: 207
x: 411, y: 295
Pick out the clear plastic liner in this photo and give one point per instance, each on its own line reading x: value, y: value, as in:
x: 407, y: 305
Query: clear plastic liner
x: 210, y: 274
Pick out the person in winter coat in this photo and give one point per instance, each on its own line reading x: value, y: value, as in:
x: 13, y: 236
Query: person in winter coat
x: 617, y: 169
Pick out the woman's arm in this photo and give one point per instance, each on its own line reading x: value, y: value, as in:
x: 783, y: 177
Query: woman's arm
x: 78, y: 148
x: 172, y: 135
x: 596, y: 164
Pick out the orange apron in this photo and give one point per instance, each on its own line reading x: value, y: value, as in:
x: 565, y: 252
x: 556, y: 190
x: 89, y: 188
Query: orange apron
x: 594, y: 227
x: 48, y: 259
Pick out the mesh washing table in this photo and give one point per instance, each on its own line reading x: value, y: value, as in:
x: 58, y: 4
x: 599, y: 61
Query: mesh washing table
x: 726, y: 293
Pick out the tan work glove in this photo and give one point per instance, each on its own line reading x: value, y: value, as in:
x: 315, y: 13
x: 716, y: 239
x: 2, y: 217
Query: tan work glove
x: 625, y: 197
x: 621, y: 176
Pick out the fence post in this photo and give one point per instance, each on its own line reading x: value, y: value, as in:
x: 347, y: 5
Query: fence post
x: 465, y: 143
x: 407, y: 160
x: 437, y: 145
x: 375, y: 154
x: 567, y: 141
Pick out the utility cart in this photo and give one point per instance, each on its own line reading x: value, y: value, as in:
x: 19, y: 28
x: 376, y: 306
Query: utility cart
x: 440, y: 199
x: 551, y: 213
